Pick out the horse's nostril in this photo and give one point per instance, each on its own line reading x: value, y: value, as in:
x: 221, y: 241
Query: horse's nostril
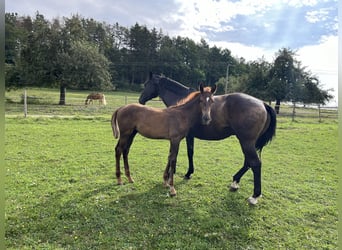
x: 206, y: 120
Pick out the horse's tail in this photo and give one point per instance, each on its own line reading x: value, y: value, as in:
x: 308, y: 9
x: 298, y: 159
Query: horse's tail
x: 104, y: 100
x: 270, y: 132
x: 115, y: 125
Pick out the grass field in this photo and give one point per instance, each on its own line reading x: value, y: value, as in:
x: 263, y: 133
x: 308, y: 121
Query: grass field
x: 61, y: 191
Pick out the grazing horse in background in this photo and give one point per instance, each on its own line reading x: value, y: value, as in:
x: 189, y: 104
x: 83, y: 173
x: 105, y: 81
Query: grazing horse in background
x: 172, y: 123
x: 96, y: 96
x: 248, y: 118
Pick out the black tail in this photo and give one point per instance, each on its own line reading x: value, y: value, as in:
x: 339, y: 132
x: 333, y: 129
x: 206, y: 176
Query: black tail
x: 268, y: 135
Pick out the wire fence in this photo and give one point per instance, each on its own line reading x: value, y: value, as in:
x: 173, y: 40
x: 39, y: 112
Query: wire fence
x: 31, y: 105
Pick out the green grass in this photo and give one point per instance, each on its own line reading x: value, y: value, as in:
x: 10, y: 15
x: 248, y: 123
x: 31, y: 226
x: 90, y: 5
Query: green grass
x: 61, y: 191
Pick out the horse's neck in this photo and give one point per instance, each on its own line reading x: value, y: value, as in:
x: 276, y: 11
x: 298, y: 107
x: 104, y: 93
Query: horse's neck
x: 171, y: 92
x: 170, y: 98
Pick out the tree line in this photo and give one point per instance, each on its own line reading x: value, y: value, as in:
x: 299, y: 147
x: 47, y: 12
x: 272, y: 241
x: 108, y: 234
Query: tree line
x: 82, y: 53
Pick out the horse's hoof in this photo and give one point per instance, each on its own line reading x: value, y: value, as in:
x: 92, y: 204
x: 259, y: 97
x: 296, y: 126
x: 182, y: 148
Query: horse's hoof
x: 253, y: 201
x: 130, y: 180
x: 173, y: 192
x: 234, y: 186
x: 120, y: 183
x: 187, y: 177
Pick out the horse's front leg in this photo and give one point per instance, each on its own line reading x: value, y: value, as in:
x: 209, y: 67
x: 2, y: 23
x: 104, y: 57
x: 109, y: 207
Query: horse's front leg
x: 172, y: 161
x: 190, y: 149
x: 125, y: 156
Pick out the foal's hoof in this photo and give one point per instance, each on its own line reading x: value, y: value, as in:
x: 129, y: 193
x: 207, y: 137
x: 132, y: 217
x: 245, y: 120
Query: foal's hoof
x: 234, y: 186
x: 130, y: 180
x: 119, y: 181
x: 173, y: 192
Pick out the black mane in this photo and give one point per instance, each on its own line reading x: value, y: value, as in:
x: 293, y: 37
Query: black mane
x: 174, y: 86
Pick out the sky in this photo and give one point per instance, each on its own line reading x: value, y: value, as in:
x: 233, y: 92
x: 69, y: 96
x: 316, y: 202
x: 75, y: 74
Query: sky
x: 251, y: 29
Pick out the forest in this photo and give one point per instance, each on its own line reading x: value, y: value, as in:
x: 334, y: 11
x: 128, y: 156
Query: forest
x: 85, y: 54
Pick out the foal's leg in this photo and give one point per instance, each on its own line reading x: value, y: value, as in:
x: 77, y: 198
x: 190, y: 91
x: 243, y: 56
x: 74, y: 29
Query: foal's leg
x: 171, y: 165
x: 118, y: 152
x: 125, y: 156
x: 190, y: 148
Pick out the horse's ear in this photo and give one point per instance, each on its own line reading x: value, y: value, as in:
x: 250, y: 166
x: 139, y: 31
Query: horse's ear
x: 213, y: 89
x: 151, y: 74
x: 200, y: 86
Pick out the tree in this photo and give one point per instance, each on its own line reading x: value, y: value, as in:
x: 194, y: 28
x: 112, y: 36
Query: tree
x: 282, y: 77
x: 83, y: 67
x: 257, y: 80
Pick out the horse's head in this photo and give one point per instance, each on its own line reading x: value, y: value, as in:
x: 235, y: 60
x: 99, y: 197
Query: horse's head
x: 151, y: 89
x: 206, y: 101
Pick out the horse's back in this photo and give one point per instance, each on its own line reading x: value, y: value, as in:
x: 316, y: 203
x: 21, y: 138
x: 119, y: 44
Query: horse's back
x: 234, y: 114
x: 148, y: 121
x: 246, y: 114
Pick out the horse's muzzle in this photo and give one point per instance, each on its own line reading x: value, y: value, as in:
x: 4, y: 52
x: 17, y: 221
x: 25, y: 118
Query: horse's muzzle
x: 141, y: 101
x: 206, y: 119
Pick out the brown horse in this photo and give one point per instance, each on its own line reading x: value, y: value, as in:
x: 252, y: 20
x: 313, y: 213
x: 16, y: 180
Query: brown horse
x: 96, y: 96
x: 172, y: 123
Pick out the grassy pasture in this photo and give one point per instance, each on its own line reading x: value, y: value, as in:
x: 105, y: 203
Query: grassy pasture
x: 61, y: 193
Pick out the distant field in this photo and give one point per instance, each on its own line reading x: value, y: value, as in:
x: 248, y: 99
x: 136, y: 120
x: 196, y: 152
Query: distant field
x: 61, y: 191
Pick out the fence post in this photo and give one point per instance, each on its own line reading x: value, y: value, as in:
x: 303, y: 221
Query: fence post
x: 25, y: 103
x: 319, y: 113
x: 294, y: 111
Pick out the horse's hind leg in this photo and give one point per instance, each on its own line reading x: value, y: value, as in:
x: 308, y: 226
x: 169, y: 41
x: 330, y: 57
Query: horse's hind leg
x: 251, y: 161
x: 118, y: 152
x: 236, y: 178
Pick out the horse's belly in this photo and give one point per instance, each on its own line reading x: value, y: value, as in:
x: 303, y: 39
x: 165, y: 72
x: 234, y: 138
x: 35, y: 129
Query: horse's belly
x: 211, y: 133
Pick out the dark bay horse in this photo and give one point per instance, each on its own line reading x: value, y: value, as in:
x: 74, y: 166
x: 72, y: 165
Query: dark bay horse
x: 172, y: 123
x: 249, y: 119
x: 96, y: 96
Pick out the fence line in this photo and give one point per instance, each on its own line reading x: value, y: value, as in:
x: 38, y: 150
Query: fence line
x: 32, y: 105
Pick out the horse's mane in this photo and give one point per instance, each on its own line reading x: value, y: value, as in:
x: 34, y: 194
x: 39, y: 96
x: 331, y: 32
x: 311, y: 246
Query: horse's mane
x: 173, y: 85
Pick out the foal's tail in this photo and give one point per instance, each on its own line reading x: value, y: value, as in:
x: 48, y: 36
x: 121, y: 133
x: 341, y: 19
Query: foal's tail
x: 270, y: 132
x: 115, y: 125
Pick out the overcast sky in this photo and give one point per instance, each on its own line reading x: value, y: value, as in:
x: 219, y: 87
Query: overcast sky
x: 248, y: 28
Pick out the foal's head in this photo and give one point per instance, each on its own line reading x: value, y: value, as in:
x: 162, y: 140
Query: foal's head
x: 206, y: 100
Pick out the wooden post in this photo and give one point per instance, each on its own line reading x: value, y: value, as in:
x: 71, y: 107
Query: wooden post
x: 319, y: 113
x: 294, y: 111
x: 25, y: 103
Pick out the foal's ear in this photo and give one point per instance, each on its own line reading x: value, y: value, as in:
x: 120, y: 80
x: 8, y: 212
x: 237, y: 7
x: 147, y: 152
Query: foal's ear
x: 213, y: 89
x: 200, y: 86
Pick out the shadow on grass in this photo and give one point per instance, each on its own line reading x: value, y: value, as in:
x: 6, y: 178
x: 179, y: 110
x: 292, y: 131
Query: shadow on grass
x: 121, y: 217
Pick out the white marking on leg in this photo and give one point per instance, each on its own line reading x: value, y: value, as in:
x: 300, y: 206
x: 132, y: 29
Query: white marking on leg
x: 253, y: 201
x: 234, y: 186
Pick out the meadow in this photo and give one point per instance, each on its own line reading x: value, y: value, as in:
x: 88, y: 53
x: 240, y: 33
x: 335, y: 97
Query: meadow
x: 61, y: 191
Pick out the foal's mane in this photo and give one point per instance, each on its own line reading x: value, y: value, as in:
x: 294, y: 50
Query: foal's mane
x: 191, y: 97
